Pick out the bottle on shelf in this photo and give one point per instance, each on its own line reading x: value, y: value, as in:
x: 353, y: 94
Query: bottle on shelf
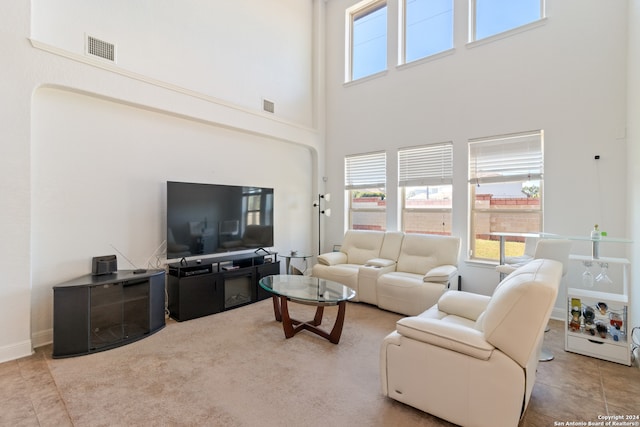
x: 596, y: 235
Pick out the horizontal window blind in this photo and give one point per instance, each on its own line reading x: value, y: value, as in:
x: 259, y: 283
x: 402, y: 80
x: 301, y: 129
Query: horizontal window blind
x: 516, y: 157
x: 365, y: 171
x: 426, y: 165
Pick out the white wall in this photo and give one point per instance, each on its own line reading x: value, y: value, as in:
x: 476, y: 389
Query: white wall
x: 237, y: 51
x: 633, y: 138
x: 99, y: 171
x: 86, y: 147
x: 566, y: 76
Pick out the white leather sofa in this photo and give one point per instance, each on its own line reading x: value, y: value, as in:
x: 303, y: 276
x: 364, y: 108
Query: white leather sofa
x: 471, y: 359
x: 404, y: 273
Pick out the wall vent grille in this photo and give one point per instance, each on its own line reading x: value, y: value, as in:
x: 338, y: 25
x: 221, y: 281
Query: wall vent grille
x: 268, y: 106
x: 101, y: 48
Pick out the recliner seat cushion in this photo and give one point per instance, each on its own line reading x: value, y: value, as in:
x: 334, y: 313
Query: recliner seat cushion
x: 407, y: 293
x: 347, y: 274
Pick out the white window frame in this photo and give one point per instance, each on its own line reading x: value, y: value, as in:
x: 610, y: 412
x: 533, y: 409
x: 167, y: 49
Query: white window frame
x: 473, y: 24
x: 364, y: 171
x: 402, y: 39
x: 426, y: 165
x: 504, y: 159
x: 351, y: 15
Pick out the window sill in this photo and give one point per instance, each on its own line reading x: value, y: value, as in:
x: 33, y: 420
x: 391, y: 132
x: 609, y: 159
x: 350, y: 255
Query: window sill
x: 508, y: 33
x: 426, y: 59
x: 366, y: 78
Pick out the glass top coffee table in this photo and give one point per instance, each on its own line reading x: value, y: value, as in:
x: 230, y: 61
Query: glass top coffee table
x: 311, y: 291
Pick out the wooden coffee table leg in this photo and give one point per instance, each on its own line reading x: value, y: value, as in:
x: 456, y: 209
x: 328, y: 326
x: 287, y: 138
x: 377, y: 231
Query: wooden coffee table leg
x: 293, y: 326
x: 317, y: 320
x: 287, y: 323
x: 336, y: 332
x: 276, y: 308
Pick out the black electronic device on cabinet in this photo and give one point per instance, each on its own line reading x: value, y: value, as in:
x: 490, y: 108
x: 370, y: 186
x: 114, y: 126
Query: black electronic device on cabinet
x: 106, y: 264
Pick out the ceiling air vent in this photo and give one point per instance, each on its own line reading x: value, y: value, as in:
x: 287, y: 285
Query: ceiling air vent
x: 268, y: 106
x: 100, y: 48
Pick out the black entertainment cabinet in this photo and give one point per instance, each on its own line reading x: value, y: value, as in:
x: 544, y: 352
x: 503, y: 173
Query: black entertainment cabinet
x: 98, y: 312
x: 201, y: 288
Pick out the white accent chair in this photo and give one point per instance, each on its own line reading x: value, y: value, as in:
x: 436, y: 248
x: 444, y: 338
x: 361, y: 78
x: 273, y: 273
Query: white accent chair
x: 471, y: 359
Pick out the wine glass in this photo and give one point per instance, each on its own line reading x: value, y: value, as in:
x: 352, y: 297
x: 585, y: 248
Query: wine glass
x: 587, y: 276
x: 603, y: 278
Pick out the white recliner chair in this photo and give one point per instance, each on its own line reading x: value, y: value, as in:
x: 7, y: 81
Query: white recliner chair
x: 555, y: 249
x: 528, y: 254
x: 471, y: 359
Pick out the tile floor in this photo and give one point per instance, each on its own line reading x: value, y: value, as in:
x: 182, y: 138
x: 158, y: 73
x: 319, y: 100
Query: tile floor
x: 571, y: 388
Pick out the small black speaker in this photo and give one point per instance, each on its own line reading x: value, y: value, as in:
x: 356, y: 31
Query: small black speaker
x: 104, y: 265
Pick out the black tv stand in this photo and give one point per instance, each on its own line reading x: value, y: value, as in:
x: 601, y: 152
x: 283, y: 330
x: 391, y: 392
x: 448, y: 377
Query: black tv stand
x: 207, y: 286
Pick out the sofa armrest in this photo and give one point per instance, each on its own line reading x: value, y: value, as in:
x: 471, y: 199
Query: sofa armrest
x: 332, y: 258
x: 441, y: 274
x: 380, y: 262
x: 451, y: 336
x: 463, y: 304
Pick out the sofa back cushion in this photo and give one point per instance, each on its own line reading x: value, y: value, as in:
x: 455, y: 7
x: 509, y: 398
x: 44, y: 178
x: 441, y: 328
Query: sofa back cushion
x: 517, y: 314
x: 362, y: 245
x: 391, y: 245
x: 420, y: 253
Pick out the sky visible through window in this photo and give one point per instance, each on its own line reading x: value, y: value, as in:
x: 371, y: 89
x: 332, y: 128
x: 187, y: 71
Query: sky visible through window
x: 369, y: 43
x: 430, y: 29
x: 496, y: 16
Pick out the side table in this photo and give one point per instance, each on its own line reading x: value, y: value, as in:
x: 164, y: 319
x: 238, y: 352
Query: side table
x: 293, y: 255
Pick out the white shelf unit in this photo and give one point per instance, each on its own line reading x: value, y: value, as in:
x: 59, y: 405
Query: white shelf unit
x: 612, y: 345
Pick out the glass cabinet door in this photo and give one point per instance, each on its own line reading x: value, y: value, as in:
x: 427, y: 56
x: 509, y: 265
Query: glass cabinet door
x: 106, y: 327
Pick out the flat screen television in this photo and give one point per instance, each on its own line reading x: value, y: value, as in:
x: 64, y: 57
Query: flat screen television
x: 207, y: 219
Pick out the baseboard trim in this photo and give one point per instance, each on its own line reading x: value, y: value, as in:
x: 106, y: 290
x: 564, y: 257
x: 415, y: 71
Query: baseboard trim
x: 16, y: 351
x: 42, y: 338
x: 557, y: 314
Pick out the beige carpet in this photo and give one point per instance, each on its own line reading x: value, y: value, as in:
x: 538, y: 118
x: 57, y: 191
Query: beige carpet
x: 237, y: 369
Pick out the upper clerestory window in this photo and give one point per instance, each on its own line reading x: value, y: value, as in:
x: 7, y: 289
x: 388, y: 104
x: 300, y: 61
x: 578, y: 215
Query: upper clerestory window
x: 367, y: 34
x: 491, y: 17
x: 427, y: 28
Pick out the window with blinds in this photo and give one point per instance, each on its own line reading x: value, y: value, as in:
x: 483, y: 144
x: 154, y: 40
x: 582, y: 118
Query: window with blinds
x: 425, y: 177
x: 506, y: 188
x: 508, y: 158
x: 365, y: 184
